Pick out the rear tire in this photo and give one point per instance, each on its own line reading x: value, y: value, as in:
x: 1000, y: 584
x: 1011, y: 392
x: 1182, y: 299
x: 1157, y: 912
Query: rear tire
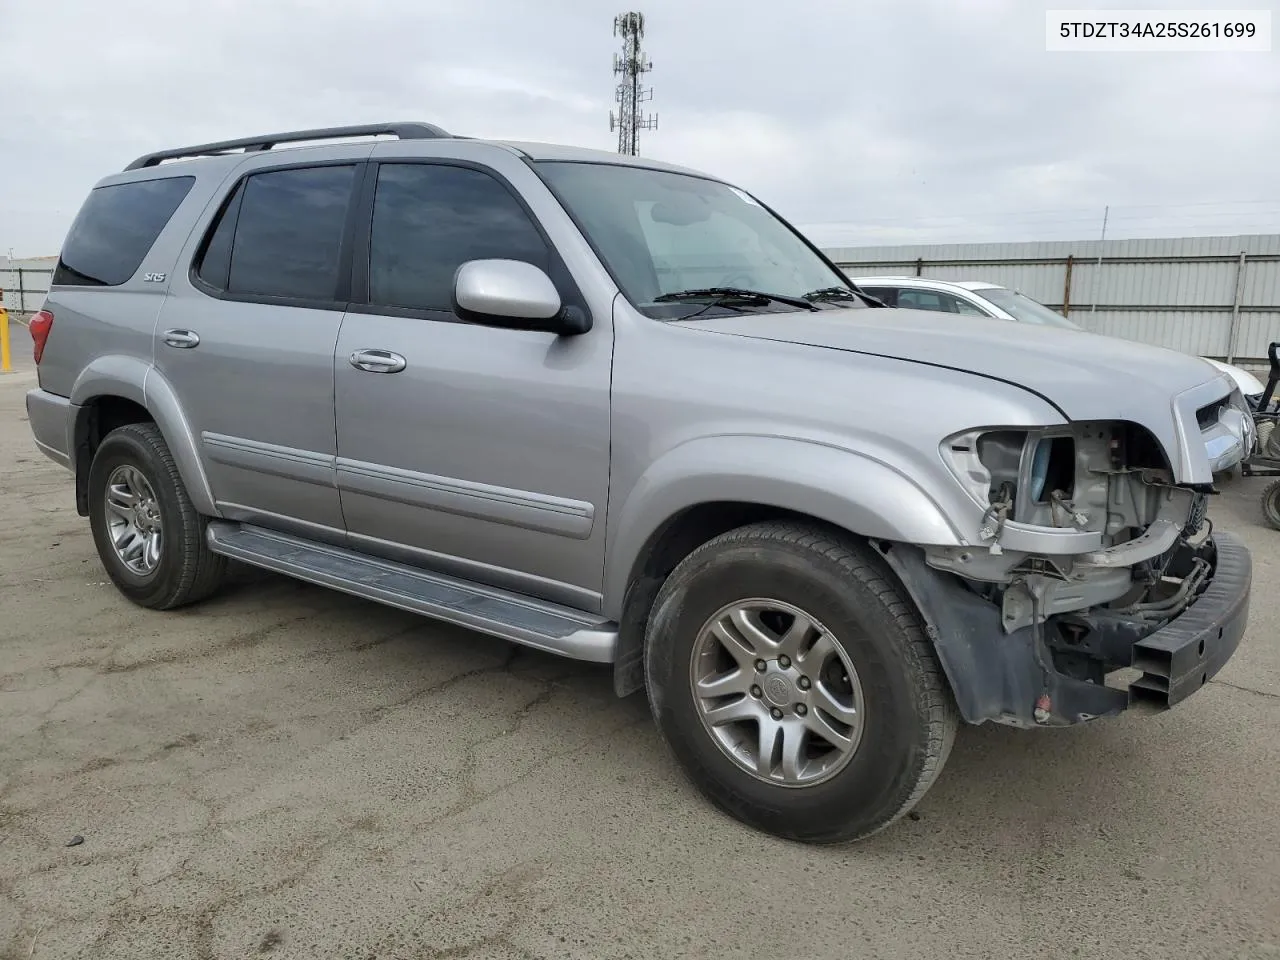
x: 857, y: 730
x: 149, y: 536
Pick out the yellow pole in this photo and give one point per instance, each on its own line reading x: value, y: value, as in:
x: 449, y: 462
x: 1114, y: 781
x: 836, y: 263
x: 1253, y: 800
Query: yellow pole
x: 5, y: 367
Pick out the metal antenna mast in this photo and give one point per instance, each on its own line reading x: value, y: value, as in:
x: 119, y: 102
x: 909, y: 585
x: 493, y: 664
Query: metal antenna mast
x: 631, y: 65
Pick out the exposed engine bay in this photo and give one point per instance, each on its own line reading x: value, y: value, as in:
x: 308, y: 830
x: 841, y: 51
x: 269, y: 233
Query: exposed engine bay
x: 1085, y: 517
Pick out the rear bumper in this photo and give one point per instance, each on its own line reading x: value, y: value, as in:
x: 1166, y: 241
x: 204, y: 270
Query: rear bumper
x: 50, y: 417
x: 1014, y: 678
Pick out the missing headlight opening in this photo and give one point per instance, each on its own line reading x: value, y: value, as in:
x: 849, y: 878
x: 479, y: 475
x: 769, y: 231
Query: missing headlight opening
x: 1097, y: 477
x: 1053, y: 468
x: 1077, y: 517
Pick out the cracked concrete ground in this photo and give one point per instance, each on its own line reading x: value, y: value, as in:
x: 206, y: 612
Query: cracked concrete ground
x: 288, y: 772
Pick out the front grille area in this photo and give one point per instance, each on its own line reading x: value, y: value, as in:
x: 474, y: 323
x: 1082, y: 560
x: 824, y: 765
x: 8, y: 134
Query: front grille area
x: 1209, y: 414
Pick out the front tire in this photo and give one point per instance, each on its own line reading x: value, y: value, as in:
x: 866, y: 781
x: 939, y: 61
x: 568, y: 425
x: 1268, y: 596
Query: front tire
x: 794, y: 684
x: 149, y: 536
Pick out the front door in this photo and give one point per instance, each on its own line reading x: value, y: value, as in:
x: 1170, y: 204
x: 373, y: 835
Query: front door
x: 479, y: 451
x: 246, y: 341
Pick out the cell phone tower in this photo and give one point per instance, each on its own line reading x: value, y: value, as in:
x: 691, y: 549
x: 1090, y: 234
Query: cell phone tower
x: 631, y: 65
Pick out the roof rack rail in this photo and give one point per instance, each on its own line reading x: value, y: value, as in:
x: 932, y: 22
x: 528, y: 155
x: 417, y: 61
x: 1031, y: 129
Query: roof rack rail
x: 405, y: 131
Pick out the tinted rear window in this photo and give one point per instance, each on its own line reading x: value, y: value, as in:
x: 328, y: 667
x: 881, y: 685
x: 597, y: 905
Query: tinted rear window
x: 281, y: 235
x: 115, y: 229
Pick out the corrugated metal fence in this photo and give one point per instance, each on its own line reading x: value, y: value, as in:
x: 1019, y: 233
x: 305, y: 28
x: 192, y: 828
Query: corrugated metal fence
x: 1210, y: 296
x: 24, y: 288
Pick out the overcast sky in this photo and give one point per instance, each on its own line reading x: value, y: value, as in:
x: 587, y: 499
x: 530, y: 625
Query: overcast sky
x: 863, y: 122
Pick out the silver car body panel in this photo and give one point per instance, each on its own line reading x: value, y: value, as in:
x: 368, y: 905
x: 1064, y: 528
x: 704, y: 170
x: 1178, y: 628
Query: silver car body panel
x: 1085, y: 376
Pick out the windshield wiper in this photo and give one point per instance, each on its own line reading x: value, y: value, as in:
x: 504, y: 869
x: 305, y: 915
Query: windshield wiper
x: 827, y: 294
x: 718, y: 294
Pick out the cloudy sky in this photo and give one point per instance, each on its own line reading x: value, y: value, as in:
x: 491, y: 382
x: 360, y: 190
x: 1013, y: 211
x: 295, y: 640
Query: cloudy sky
x: 863, y: 122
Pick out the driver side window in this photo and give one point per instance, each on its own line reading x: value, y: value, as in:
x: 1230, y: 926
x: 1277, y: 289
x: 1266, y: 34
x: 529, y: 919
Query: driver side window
x: 910, y: 299
x: 936, y: 301
x: 429, y: 219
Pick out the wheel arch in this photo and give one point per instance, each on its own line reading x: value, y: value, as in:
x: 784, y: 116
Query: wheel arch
x: 114, y: 391
x: 704, y: 489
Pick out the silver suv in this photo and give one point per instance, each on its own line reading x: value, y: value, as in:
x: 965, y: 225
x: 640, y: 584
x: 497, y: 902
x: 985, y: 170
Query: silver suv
x: 623, y: 412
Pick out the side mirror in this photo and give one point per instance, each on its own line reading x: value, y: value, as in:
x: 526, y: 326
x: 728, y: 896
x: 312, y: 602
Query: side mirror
x: 512, y: 293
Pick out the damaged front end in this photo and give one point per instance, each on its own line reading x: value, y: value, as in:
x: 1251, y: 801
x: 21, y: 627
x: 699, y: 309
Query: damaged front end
x: 1089, y: 558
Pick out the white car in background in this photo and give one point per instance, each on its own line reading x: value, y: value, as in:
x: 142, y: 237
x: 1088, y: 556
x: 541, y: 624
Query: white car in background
x: 977, y: 298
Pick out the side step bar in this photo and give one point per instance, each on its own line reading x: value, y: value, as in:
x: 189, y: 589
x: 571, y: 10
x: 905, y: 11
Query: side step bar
x: 500, y: 613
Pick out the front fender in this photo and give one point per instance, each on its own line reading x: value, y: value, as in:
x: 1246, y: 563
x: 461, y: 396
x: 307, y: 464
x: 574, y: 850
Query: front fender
x: 851, y: 490
x: 137, y: 380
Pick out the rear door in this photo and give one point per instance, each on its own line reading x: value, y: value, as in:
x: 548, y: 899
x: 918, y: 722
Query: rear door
x: 247, y: 338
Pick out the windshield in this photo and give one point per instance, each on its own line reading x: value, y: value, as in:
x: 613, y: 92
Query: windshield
x: 662, y: 233
x: 1024, y: 308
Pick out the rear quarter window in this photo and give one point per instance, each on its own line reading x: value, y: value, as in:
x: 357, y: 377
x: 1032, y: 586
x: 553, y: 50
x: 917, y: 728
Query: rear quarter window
x: 115, y: 230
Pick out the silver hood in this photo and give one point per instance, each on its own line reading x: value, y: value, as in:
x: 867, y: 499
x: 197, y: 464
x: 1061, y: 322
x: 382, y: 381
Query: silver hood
x: 1085, y: 376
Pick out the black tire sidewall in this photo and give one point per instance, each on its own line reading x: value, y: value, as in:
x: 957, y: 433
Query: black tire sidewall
x: 874, y: 785
x: 126, y: 448
x: 1271, y: 504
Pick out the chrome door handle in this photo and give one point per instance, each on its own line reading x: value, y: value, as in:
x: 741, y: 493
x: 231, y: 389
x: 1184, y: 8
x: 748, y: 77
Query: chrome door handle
x: 378, y: 361
x: 185, y: 339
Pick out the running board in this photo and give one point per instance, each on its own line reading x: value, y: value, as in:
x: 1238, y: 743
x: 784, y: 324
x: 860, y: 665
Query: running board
x: 500, y: 613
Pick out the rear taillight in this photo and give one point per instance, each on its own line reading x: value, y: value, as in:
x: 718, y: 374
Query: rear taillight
x: 40, y: 326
